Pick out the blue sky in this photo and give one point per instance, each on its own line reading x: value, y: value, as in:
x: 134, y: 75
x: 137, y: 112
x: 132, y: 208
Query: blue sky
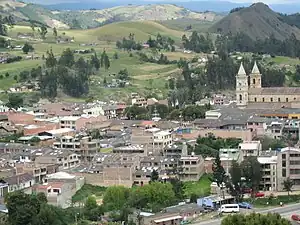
x: 236, y: 1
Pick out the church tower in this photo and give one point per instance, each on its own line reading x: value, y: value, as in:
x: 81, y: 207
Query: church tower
x: 255, y: 77
x: 241, y: 87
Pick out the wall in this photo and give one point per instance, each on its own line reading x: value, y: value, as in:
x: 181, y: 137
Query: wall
x: 245, y: 135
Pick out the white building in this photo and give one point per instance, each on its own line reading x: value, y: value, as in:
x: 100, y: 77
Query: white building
x: 162, y: 138
x: 95, y: 111
x: 250, y: 148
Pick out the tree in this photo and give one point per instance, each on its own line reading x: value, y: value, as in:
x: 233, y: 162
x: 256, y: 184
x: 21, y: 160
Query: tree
x: 92, y: 211
x: 123, y: 74
x: 15, y: 101
x: 153, y: 196
x: 50, y: 59
x: 235, y: 182
x: 116, y: 56
x: 288, y: 185
x: 254, y: 219
x: 115, y: 197
x: 104, y: 81
x: 219, y: 175
x: 154, y: 176
x: 95, y: 61
x: 252, y: 173
x: 67, y: 58
x: 1, y: 77
x: 43, y: 31
x: 6, y: 74
x: 55, y: 32
x: 27, y: 48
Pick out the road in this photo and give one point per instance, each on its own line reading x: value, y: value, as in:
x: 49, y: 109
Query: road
x: 285, y: 211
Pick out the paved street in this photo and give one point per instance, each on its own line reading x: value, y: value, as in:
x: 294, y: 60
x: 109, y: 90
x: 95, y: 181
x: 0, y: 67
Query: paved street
x: 285, y: 211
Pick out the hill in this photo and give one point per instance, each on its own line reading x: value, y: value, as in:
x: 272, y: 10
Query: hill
x: 82, y: 19
x: 94, y: 18
x: 141, y: 29
x: 257, y: 21
x: 23, y: 12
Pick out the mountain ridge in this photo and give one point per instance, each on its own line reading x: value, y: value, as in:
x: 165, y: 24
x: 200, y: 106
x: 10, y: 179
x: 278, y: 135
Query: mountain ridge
x: 94, y: 18
x: 258, y: 21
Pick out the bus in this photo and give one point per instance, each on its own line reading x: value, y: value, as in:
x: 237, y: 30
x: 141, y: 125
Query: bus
x: 229, y: 208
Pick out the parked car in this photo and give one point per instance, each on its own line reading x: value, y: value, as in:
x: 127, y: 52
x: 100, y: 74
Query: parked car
x: 247, y: 190
x: 295, y: 217
x: 259, y: 194
x: 245, y: 205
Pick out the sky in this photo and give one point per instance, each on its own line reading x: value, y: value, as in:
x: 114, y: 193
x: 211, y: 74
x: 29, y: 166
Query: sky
x: 235, y: 1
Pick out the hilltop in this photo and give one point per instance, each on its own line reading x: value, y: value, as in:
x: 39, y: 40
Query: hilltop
x: 257, y: 21
x: 163, y: 12
x: 82, y: 19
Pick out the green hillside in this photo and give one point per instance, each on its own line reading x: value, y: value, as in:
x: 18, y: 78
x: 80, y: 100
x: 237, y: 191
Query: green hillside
x: 257, y: 21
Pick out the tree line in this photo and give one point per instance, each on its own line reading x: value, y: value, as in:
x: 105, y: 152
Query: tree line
x: 243, y: 43
x: 68, y: 74
x: 198, y: 43
x: 188, y: 113
x: 218, y: 74
x: 25, y: 209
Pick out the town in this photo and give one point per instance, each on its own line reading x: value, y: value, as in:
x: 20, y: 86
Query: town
x: 118, y: 113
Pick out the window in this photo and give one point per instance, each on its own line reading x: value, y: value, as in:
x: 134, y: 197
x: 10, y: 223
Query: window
x: 263, y: 99
x: 255, y: 99
x: 271, y: 99
x: 253, y: 81
x: 283, y: 156
x: 283, y: 172
x: 241, y: 97
x: 287, y: 99
x: 278, y: 99
x: 295, y: 99
x: 283, y: 163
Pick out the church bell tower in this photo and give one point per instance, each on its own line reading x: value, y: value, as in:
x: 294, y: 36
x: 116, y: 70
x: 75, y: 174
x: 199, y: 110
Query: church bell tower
x: 255, y: 77
x: 242, y: 87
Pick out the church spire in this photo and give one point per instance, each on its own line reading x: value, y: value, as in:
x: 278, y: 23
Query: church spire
x: 242, y: 70
x: 255, y: 69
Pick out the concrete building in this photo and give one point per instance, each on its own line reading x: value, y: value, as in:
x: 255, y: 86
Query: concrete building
x: 269, y: 171
x: 162, y: 139
x: 39, y: 172
x: 86, y: 147
x: 192, y: 168
x: 65, y: 159
x: 111, y: 169
x: 19, y: 182
x: 288, y: 166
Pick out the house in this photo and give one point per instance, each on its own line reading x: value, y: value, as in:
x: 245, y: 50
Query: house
x: 22, y: 182
x: 86, y: 147
x: 57, y: 193
x: 66, y: 159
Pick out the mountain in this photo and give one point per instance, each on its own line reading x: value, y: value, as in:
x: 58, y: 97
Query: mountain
x: 23, y: 12
x: 257, y: 21
x: 94, y: 18
x: 194, y: 5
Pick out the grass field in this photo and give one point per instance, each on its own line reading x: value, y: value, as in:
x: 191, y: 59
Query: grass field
x: 141, y: 29
x: 181, y: 24
x: 200, y: 188
x: 88, y: 190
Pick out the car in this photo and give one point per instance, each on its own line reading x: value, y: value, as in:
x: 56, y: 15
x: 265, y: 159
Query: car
x: 245, y: 205
x: 259, y: 194
x: 295, y: 217
x: 247, y: 191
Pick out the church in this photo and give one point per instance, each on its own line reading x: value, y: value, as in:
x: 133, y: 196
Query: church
x: 250, y: 93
